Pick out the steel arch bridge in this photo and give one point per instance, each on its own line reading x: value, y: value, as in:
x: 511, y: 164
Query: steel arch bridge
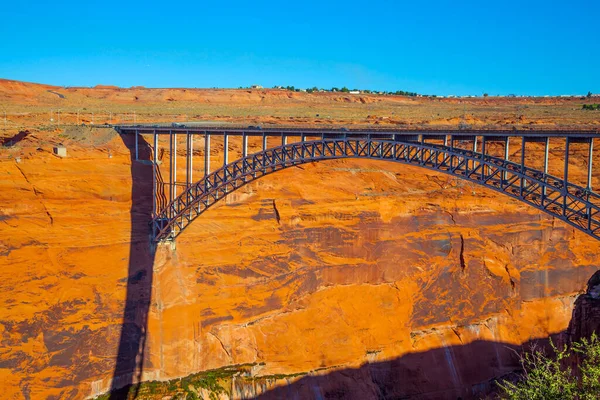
x: 455, y: 153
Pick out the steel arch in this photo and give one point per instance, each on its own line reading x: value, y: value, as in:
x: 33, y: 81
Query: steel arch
x: 575, y: 205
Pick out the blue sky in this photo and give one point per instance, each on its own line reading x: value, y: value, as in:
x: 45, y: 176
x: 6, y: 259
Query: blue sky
x: 431, y: 47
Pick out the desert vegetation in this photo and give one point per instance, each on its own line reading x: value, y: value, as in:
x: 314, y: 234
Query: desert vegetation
x: 567, y: 372
x: 591, y: 107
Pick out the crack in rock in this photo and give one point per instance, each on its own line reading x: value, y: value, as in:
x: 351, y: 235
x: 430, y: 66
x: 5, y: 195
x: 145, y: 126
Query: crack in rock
x: 277, y: 216
x: 37, y: 195
x: 222, y: 345
x: 462, y: 253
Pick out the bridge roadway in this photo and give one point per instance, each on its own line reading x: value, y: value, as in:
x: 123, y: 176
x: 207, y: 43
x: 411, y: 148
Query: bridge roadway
x: 461, y: 153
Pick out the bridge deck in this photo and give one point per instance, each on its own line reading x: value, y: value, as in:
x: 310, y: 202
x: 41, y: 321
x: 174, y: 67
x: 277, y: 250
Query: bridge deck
x: 350, y: 132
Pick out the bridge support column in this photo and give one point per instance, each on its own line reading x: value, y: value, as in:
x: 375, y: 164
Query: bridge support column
x: 566, y: 176
x: 283, y: 143
x: 590, y: 154
x: 483, y: 166
x: 546, y: 147
x: 244, y: 145
x: 206, y: 154
x: 154, y: 180
x: 264, y: 142
x: 522, y: 185
x: 506, y: 156
x: 589, y: 183
x: 225, y: 149
x: 172, y: 166
x: 189, y: 154
x: 302, y: 146
x: 136, y: 145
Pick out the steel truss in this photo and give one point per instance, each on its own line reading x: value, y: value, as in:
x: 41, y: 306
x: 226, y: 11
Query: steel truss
x: 573, y: 204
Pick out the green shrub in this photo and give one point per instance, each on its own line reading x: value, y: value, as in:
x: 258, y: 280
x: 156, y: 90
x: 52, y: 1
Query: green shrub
x: 550, y: 378
x: 591, y: 107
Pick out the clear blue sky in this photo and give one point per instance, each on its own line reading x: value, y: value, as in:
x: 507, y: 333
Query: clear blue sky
x: 432, y: 47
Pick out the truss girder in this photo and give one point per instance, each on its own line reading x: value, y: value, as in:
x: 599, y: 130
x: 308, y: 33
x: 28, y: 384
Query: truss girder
x: 573, y: 204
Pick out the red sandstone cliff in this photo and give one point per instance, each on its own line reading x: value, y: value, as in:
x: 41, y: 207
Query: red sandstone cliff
x: 377, y: 279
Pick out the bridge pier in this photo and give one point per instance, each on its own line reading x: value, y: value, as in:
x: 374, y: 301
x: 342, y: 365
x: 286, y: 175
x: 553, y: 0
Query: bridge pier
x: 484, y: 168
x: 590, y: 162
x: 565, y: 190
x: 172, y: 165
x: 546, y: 150
x: 190, y: 159
x: 206, y: 154
x: 522, y: 186
x: 225, y: 149
x: 154, y: 173
x: 136, y: 145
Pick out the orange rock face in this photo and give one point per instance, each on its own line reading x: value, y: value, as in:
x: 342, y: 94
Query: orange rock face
x: 374, y: 278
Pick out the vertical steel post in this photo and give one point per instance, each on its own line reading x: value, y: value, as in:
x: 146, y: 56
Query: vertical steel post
x: 452, y: 157
x: 283, y: 143
x: 154, y: 180
x: 189, y: 153
x: 506, y: 157
x: 566, y: 176
x: 206, y: 154
x: 154, y: 186
x: 545, y: 179
x: 136, y: 146
x: 225, y: 149
x: 546, y: 147
x: 590, y: 154
x: 302, y: 145
x: 244, y: 145
x: 171, y: 158
x: 522, y: 185
x: 264, y: 142
x: 589, y: 182
x: 483, y: 168
x: 474, y: 151
x: 174, y: 166
x: 421, y: 139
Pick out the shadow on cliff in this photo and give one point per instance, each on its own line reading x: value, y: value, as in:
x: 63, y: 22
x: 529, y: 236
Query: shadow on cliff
x: 13, y: 140
x: 130, y: 355
x: 454, y: 372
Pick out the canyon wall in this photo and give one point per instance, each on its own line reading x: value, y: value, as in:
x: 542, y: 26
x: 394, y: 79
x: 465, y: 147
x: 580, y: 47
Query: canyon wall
x: 338, y: 279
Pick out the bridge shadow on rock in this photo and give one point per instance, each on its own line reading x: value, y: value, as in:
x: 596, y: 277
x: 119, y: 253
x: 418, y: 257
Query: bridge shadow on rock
x: 455, y: 372
x: 449, y: 373
x: 130, y: 356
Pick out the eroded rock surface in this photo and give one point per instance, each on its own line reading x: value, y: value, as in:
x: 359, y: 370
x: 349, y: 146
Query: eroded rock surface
x: 374, y: 278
